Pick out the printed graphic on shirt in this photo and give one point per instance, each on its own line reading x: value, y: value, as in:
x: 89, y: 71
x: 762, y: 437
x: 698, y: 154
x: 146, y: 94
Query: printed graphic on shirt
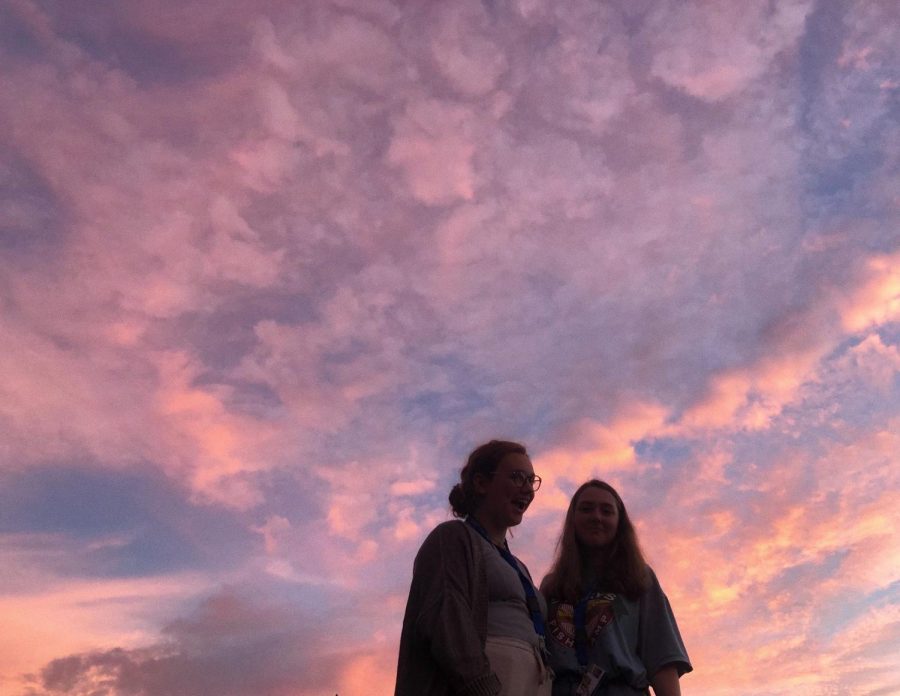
x: 599, y: 615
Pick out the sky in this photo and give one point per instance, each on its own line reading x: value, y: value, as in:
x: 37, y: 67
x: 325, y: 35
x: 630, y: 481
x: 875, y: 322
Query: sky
x: 270, y: 270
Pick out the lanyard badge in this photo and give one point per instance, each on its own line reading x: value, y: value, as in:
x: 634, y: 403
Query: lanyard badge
x: 589, y: 681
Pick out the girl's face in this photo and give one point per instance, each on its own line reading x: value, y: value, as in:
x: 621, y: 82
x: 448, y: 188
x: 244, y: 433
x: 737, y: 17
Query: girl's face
x: 504, y: 500
x: 596, y: 517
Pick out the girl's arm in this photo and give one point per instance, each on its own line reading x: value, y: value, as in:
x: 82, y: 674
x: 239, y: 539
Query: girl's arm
x: 665, y: 681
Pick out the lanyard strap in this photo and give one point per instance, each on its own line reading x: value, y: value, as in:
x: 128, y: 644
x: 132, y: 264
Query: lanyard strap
x: 581, y: 636
x: 531, y: 600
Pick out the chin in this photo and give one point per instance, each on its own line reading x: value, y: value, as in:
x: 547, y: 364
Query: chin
x: 595, y: 544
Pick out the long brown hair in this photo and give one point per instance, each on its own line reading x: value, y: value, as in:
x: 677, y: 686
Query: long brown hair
x: 621, y: 568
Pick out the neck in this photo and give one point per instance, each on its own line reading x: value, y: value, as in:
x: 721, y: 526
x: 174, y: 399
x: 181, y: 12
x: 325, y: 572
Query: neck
x: 594, y: 557
x: 496, y: 533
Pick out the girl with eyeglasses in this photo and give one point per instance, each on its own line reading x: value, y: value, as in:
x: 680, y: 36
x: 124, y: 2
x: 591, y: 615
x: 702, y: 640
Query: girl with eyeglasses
x: 611, y: 629
x: 474, y: 622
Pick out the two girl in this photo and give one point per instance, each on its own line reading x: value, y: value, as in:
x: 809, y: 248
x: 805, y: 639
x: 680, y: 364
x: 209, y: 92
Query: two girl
x: 475, y: 624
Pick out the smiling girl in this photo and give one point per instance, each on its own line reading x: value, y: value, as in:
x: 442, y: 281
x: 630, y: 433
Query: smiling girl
x: 611, y: 629
x: 474, y: 621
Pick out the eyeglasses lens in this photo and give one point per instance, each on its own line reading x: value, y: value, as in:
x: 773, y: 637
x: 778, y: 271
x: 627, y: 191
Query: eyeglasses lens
x: 520, y: 479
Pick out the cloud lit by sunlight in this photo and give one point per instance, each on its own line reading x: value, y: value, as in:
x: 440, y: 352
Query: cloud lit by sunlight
x: 269, y: 271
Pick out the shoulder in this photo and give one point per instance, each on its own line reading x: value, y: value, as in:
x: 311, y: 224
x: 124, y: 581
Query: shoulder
x: 449, y: 545
x: 451, y: 529
x: 654, y: 599
x: 652, y: 582
x: 448, y: 533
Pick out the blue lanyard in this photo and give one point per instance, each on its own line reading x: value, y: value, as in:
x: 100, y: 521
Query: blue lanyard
x: 581, y: 636
x: 531, y: 600
x: 580, y: 620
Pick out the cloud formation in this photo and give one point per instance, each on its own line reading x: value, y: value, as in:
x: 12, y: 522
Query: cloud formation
x: 268, y: 272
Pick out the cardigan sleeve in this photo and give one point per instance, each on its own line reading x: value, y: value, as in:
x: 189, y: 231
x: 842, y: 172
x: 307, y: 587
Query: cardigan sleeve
x: 451, y: 618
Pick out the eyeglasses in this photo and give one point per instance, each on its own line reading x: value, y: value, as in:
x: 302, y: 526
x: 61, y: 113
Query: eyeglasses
x: 520, y: 478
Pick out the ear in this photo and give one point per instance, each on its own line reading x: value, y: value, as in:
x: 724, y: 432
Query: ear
x: 480, y: 482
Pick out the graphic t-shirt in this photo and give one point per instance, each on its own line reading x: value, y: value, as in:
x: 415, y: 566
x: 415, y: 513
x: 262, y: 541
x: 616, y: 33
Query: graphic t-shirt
x: 629, y: 640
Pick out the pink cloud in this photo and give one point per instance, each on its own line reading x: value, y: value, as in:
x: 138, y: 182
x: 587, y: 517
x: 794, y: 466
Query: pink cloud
x: 467, y: 56
x: 752, y: 397
x: 432, y: 145
x: 399, y: 488
x: 210, y: 270
x: 597, y: 449
x: 730, y: 45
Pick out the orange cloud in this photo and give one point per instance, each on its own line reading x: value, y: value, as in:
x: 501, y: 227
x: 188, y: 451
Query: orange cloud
x: 750, y: 590
x: 371, y: 673
x: 750, y: 397
x: 877, y: 299
x: 598, y: 449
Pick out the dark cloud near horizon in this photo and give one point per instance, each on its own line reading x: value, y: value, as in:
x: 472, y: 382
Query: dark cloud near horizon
x: 208, y: 652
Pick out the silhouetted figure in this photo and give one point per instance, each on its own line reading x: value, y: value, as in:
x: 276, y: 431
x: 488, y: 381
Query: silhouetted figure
x: 474, y: 622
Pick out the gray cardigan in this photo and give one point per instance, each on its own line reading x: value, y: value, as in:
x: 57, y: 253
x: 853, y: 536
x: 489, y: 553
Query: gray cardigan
x: 445, y: 624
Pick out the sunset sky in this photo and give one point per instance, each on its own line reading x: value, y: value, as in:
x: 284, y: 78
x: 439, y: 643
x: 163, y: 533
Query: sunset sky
x: 270, y: 269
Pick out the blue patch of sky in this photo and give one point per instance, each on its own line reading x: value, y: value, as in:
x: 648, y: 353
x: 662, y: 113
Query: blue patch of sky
x: 16, y: 38
x: 292, y: 492
x: 820, y: 47
x: 755, y: 453
x: 222, y: 337
x: 31, y: 217
x: 663, y: 449
x: 699, y: 118
x: 837, y: 160
x: 890, y: 334
x: 809, y: 573
x: 858, y: 401
x: 849, y: 606
x: 433, y: 405
x: 157, y: 529
x: 343, y: 354
x: 150, y: 59
x: 248, y: 398
x: 464, y: 395
x: 836, y: 176
x: 313, y: 600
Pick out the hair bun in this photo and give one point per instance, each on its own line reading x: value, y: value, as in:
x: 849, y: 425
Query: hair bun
x: 457, y: 499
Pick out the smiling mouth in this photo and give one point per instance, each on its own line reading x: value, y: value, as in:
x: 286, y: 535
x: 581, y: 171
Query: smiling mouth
x: 520, y: 505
